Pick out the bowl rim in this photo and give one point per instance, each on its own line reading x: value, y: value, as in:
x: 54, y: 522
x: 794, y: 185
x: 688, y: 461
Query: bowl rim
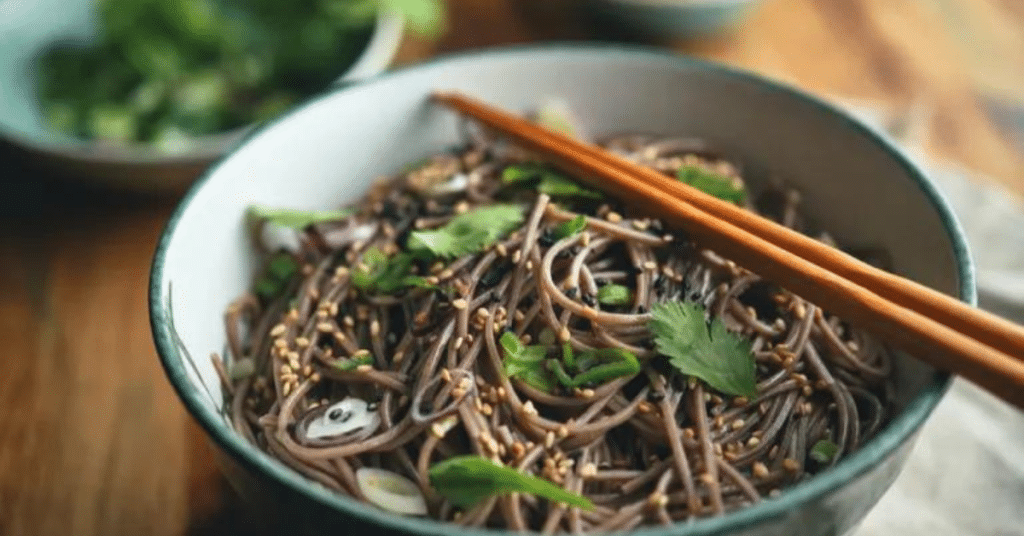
x: 901, y: 429
x: 378, y: 52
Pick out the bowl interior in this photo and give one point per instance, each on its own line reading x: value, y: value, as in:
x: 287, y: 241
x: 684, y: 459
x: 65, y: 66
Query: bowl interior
x: 325, y: 154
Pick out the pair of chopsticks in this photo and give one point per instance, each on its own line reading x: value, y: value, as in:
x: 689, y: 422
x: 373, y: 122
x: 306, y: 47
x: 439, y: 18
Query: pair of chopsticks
x: 937, y: 329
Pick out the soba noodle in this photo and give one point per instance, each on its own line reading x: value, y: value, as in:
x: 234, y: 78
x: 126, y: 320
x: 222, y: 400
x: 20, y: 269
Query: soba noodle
x: 420, y: 368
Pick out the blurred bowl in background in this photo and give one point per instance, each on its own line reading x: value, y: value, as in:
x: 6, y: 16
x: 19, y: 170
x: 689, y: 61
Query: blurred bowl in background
x: 29, y: 27
x: 668, y: 19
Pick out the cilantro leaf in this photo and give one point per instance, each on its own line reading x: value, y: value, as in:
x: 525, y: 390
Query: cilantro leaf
x: 570, y: 227
x: 550, y: 181
x: 711, y: 353
x: 467, y: 233
x: 378, y: 273
x: 823, y: 451
x: 295, y: 219
x: 525, y: 362
x: 614, y: 295
x: 464, y: 480
x: 603, y: 364
x: 353, y: 362
x: 714, y: 184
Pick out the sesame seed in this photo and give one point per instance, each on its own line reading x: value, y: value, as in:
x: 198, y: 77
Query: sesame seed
x: 517, y: 256
x: 528, y: 408
x: 285, y: 369
x: 613, y: 217
x: 486, y: 409
x: 446, y: 375
x: 364, y: 368
x: 549, y: 439
x: 278, y: 330
x: 286, y: 389
x: 307, y: 370
x: 564, y: 335
x: 760, y: 470
x: 301, y: 342
x: 585, y: 239
x: 807, y: 390
x: 458, y: 393
x: 658, y: 499
x: 641, y: 225
x: 374, y: 328
x: 707, y: 478
x: 458, y: 342
x: 644, y: 407
x: 587, y: 393
x: 589, y: 470
x: 753, y: 442
x: 563, y: 432
x: 518, y: 450
x: 280, y: 343
x: 740, y: 401
x: 501, y: 250
x: 314, y: 377
x: 348, y: 321
x: 737, y: 424
x: 501, y: 392
x: 529, y: 264
x: 791, y: 465
x: 650, y: 265
x: 339, y: 336
x: 460, y: 303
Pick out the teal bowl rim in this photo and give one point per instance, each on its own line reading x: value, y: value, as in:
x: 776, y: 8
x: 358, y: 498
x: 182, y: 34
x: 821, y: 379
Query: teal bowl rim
x: 900, y: 430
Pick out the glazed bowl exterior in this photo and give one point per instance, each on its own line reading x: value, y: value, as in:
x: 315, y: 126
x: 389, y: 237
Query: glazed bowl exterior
x: 326, y: 152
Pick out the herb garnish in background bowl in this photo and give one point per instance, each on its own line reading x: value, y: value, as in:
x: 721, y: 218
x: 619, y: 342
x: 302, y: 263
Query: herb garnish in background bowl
x: 144, y: 93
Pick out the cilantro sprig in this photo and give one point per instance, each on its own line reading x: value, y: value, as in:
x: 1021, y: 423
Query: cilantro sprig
x: 709, y: 352
x: 714, y: 184
x: 570, y: 227
x: 467, y: 233
x: 465, y: 480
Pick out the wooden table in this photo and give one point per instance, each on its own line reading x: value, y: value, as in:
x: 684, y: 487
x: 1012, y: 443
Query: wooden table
x: 93, y: 440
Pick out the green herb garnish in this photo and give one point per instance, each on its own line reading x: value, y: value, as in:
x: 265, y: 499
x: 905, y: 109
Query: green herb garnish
x: 358, y: 359
x: 380, y: 274
x: 570, y: 227
x: 709, y: 352
x: 465, y: 480
x: 525, y: 362
x: 467, y: 233
x: 824, y: 451
x: 532, y: 365
x: 614, y: 295
x: 295, y: 219
x: 714, y: 184
x: 279, y: 270
x: 548, y: 180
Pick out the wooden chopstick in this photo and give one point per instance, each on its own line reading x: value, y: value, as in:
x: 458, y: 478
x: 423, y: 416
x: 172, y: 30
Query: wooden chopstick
x: 936, y: 328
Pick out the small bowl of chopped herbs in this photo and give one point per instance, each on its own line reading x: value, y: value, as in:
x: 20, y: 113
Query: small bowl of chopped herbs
x: 144, y: 94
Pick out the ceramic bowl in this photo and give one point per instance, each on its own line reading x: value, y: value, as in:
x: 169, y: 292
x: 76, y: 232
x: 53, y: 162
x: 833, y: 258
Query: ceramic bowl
x: 28, y: 27
x: 669, y: 19
x: 326, y: 152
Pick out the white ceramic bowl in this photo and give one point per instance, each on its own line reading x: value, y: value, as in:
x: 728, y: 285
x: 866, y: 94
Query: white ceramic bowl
x: 28, y: 27
x: 325, y: 153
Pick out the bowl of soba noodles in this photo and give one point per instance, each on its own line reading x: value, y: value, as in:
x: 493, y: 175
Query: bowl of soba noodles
x: 390, y: 319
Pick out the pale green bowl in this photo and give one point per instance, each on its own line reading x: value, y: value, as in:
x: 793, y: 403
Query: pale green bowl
x: 328, y: 151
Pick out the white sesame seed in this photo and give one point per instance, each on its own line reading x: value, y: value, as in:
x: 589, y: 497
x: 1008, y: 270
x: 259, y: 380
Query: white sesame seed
x: 364, y: 368
x: 460, y: 303
x: 613, y: 217
x: 278, y: 330
x: 549, y: 439
x: 760, y: 470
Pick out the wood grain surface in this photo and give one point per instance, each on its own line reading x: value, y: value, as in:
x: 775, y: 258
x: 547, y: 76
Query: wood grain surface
x: 93, y: 440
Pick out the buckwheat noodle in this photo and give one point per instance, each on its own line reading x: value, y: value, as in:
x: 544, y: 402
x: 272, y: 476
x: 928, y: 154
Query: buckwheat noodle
x: 654, y: 448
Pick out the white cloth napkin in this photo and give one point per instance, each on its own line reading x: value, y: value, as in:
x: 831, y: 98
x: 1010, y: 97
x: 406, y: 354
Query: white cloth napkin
x: 966, y: 473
